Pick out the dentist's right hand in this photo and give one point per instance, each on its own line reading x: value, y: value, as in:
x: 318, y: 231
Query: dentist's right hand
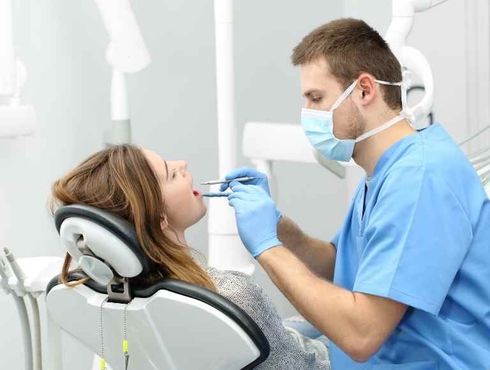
x: 260, y: 178
x: 256, y: 217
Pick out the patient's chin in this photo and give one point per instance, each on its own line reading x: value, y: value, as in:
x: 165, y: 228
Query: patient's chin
x: 204, y: 210
x: 198, y: 215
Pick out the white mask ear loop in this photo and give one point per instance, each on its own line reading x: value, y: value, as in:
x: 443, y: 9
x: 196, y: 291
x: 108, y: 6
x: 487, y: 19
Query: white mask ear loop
x: 403, y: 87
x: 404, y: 102
x: 351, y: 87
x: 344, y: 95
x: 381, y: 82
x: 383, y: 127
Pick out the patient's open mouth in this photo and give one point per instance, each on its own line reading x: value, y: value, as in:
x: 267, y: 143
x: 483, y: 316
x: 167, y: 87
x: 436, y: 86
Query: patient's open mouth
x: 196, y: 193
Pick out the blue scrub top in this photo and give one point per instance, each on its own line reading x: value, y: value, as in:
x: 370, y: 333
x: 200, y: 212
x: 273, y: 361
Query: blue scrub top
x: 423, y: 240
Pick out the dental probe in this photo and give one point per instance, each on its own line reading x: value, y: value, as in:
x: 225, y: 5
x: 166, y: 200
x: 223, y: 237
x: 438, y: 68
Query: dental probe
x: 215, y: 195
x: 215, y: 182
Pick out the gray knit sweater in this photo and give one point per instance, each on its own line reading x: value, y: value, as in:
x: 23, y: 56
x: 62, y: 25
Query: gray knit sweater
x: 289, y: 350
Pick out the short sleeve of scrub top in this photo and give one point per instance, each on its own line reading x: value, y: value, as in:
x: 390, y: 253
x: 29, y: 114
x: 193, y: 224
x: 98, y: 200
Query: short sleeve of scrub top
x: 414, y: 241
x: 335, y: 239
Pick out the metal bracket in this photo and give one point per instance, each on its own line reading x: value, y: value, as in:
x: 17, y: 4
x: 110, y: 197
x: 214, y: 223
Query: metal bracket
x: 118, y: 290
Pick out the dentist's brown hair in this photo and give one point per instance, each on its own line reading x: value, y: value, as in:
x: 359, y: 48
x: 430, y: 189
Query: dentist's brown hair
x: 120, y: 180
x: 351, y: 47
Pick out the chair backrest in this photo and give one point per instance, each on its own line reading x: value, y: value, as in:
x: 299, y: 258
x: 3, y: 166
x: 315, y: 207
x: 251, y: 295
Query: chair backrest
x: 170, y: 325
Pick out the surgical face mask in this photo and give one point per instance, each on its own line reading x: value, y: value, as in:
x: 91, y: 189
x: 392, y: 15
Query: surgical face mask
x: 318, y: 127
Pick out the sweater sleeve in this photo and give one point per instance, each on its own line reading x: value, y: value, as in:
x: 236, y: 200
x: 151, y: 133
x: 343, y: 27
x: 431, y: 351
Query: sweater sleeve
x: 286, y: 353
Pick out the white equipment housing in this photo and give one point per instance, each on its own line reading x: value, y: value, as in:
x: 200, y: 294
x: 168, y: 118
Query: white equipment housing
x: 411, y: 59
x: 165, y: 331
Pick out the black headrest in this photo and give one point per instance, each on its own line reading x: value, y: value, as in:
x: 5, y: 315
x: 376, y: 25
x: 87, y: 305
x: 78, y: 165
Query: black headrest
x: 118, y: 226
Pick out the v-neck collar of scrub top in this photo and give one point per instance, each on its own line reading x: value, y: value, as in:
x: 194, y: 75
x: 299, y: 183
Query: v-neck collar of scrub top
x: 390, y: 155
x: 387, y: 159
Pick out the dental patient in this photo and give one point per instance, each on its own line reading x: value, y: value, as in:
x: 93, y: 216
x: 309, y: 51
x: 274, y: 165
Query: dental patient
x: 158, y: 198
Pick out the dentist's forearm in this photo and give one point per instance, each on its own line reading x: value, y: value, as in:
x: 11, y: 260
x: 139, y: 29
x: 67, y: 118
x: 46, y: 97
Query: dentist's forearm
x: 317, y: 255
x: 358, y: 323
x: 329, y: 308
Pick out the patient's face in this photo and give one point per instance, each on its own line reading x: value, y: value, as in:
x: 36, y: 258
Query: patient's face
x: 185, y: 205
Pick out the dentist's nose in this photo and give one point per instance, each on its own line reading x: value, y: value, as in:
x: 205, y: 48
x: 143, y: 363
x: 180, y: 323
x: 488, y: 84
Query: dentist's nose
x: 308, y: 105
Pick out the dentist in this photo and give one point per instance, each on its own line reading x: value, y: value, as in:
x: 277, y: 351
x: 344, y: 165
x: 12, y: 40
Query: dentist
x: 404, y: 284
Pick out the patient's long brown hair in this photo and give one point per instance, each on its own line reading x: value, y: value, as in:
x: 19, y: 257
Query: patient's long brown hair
x: 121, y: 181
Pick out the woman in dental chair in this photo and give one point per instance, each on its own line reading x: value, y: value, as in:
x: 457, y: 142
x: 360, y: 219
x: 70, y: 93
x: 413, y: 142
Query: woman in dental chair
x: 157, y: 197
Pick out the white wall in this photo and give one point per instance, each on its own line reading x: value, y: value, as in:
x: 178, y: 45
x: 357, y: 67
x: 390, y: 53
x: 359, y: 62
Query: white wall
x: 173, y: 104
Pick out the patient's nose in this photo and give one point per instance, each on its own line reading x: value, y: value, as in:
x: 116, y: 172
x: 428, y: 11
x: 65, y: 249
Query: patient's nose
x: 183, y: 165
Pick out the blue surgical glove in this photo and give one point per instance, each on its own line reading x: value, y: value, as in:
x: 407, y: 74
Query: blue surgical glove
x: 260, y: 178
x: 256, y: 217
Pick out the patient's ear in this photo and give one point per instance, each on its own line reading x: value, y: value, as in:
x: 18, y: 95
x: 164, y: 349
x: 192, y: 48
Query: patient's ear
x: 163, y: 223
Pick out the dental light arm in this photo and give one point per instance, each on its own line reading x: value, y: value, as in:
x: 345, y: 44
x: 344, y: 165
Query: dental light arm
x: 411, y: 59
x: 226, y: 251
x: 403, y: 13
x: 126, y: 53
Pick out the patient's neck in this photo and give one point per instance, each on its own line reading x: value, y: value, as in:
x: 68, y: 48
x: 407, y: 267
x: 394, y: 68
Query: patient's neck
x: 176, y: 235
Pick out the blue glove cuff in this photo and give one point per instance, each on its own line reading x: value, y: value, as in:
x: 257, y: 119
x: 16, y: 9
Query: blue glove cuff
x: 265, y: 245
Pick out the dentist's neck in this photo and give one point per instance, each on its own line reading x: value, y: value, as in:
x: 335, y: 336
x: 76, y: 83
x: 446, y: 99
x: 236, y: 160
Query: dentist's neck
x: 368, y: 152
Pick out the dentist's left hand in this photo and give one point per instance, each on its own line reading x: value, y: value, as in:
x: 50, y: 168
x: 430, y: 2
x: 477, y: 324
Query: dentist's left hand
x: 256, y: 217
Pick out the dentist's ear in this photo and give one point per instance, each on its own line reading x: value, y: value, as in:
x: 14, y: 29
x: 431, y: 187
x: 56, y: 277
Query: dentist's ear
x: 367, y: 85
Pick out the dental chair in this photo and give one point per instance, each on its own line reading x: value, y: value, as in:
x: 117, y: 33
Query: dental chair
x: 169, y: 325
